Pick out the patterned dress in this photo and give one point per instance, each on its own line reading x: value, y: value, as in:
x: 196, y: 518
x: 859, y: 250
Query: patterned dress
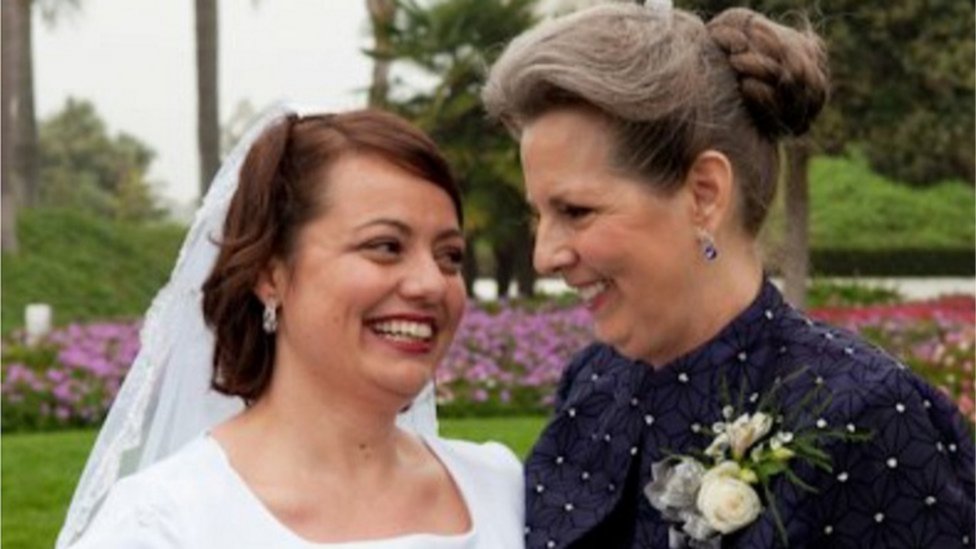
x: 911, y: 484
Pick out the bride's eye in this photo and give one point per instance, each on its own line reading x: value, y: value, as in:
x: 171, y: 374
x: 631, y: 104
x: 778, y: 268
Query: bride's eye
x: 451, y: 259
x: 384, y: 249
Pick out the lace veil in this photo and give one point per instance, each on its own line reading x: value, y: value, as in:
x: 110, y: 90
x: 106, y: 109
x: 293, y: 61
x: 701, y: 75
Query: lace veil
x: 166, y: 398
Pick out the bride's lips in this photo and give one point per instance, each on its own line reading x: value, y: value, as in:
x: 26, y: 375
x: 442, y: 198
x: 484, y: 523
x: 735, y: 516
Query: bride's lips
x: 406, y: 332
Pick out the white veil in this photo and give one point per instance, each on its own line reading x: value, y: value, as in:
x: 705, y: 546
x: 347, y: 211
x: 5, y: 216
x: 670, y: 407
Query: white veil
x: 166, y: 399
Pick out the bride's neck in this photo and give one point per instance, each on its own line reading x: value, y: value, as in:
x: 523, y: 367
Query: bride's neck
x: 308, y: 427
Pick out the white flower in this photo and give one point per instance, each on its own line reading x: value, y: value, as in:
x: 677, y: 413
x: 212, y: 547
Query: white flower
x: 718, y: 446
x: 675, y: 485
x: 746, y: 430
x: 726, y: 502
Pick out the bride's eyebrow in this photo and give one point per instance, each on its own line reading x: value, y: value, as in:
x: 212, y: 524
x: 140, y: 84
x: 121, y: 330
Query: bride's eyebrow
x: 406, y: 230
x: 395, y: 224
x: 449, y: 234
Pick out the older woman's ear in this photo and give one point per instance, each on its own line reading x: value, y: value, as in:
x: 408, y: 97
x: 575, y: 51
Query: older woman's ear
x: 710, y: 184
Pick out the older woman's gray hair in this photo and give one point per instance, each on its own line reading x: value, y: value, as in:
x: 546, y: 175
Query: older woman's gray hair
x: 672, y: 87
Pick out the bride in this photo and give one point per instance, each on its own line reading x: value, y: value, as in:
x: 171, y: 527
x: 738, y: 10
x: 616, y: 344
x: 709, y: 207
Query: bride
x: 283, y: 396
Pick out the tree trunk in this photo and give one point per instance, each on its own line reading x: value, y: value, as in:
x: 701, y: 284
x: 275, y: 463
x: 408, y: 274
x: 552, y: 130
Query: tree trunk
x: 470, y: 267
x: 381, y: 15
x: 796, y: 259
x: 26, y: 146
x: 504, y: 267
x: 208, y: 120
x: 14, y: 16
x: 525, y: 273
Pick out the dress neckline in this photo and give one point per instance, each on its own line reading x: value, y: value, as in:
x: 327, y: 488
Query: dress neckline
x: 433, y: 540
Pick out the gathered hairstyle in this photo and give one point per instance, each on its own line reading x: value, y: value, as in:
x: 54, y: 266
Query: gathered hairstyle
x: 672, y: 87
x: 282, y: 187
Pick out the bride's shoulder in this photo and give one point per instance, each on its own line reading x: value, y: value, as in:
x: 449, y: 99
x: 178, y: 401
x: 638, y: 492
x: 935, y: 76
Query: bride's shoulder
x: 179, y: 478
x: 479, y: 457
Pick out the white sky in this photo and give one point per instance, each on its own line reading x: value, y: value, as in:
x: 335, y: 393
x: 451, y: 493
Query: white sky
x: 135, y: 59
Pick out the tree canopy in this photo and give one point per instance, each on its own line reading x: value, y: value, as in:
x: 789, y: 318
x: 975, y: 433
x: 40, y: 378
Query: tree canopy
x: 84, y: 167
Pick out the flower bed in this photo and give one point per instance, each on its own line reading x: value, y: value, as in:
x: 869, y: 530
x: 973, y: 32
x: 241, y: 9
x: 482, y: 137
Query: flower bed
x: 70, y: 379
x: 506, y: 359
x: 936, y: 339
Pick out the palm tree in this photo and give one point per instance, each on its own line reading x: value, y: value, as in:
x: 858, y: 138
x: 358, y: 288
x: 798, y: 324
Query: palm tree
x: 15, y: 16
x: 208, y: 119
x: 382, y: 14
x: 21, y: 184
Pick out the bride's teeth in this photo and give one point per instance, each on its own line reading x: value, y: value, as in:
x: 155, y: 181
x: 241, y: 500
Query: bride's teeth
x: 403, y: 329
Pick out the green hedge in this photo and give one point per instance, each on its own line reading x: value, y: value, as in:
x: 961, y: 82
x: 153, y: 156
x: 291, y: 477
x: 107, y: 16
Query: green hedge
x: 894, y: 262
x: 86, y: 267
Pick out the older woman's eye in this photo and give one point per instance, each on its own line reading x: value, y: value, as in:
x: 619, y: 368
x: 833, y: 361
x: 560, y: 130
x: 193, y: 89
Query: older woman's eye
x: 575, y: 212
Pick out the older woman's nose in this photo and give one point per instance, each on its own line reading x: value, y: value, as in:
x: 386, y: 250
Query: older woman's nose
x: 552, y: 251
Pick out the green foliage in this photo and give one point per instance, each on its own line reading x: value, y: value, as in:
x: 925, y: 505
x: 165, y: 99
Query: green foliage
x: 862, y: 223
x: 855, y: 208
x: 85, y: 267
x: 83, y: 167
x: 902, y: 75
x: 894, y: 262
x: 830, y: 293
x: 454, y: 41
x: 40, y: 472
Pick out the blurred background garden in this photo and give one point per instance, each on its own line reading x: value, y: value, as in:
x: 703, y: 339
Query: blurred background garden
x: 874, y: 229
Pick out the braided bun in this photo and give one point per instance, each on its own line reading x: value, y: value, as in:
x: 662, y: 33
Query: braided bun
x: 782, y: 71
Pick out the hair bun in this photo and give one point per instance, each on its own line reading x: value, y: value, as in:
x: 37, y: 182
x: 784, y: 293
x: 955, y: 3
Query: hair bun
x: 782, y: 71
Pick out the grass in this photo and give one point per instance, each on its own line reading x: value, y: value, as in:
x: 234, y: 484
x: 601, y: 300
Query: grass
x: 39, y: 472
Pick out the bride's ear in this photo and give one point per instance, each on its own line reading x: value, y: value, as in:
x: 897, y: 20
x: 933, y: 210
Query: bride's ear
x: 271, y: 282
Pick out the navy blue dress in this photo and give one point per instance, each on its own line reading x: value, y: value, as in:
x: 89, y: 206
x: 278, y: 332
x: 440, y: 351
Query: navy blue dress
x: 910, y: 485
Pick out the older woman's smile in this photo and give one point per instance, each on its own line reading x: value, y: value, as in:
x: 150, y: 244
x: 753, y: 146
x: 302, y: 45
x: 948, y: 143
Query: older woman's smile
x: 593, y: 294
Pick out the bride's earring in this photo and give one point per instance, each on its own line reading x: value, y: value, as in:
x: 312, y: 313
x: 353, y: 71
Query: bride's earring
x: 269, y: 320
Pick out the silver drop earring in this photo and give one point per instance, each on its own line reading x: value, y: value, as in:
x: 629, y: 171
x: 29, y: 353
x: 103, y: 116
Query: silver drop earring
x: 269, y: 319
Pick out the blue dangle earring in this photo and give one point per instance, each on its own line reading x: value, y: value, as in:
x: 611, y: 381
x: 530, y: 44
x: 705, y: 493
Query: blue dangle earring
x: 707, y: 243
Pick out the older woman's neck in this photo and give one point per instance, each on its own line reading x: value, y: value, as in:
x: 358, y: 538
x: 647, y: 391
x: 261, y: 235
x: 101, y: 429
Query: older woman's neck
x: 728, y: 287
x: 723, y: 290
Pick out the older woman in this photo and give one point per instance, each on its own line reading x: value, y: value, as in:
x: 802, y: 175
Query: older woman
x: 333, y: 291
x: 710, y: 412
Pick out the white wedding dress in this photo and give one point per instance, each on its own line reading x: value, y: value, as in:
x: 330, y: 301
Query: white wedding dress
x: 195, y: 499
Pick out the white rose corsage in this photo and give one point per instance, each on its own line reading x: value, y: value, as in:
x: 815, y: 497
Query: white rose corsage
x: 718, y: 491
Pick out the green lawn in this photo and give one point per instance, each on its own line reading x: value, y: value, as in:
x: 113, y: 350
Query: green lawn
x: 39, y: 471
